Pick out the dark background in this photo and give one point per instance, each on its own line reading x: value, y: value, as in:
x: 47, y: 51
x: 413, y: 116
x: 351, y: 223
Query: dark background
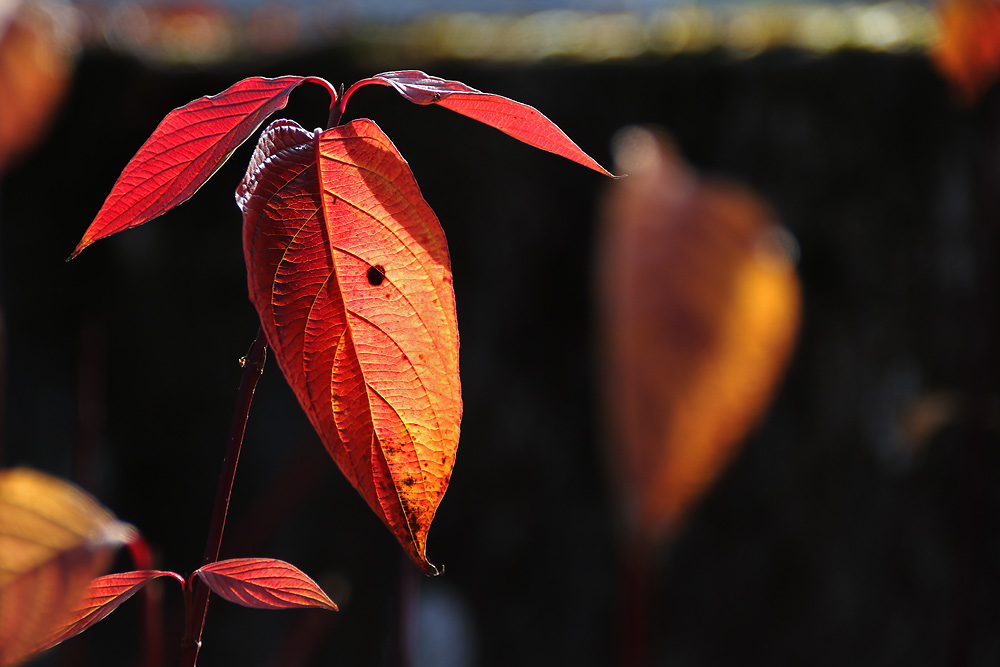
x: 833, y: 539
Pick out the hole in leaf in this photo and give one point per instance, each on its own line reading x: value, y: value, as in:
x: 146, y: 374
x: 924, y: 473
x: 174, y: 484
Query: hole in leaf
x: 376, y: 274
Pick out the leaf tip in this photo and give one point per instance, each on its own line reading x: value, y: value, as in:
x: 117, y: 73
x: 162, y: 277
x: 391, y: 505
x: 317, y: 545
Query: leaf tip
x: 80, y: 247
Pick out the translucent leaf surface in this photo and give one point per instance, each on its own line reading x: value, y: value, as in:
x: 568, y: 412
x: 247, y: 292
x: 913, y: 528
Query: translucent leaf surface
x: 103, y: 596
x: 187, y: 147
x: 264, y: 583
x: 348, y: 268
x: 521, y: 121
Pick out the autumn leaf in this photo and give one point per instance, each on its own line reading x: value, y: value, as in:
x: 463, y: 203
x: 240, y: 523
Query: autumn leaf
x: 188, y: 146
x: 349, y: 271
x: 519, y: 120
x: 103, y: 595
x: 699, y: 307
x: 264, y: 583
x: 54, y: 539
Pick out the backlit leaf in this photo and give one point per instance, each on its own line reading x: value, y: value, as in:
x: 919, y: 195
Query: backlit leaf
x: 700, y: 307
x: 187, y: 147
x: 349, y: 270
x: 103, y: 596
x: 264, y: 583
x: 54, y: 539
x: 521, y: 121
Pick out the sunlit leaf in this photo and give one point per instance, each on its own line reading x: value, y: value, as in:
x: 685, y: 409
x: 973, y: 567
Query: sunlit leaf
x: 521, y: 121
x: 54, y: 539
x: 349, y: 271
x: 264, y: 583
x: 700, y: 307
x: 103, y: 596
x: 187, y: 147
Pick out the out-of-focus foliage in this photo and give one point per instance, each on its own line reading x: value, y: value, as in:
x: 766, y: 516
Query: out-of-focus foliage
x: 54, y: 539
x: 700, y: 307
x: 968, y: 50
x: 38, y: 42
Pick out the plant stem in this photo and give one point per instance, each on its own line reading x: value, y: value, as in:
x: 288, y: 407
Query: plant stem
x: 337, y: 109
x: 253, y: 366
x: 636, y: 586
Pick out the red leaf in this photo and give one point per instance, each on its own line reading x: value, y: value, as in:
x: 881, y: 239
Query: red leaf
x: 103, y: 596
x: 188, y: 146
x: 264, y: 583
x: 353, y: 287
x: 521, y: 121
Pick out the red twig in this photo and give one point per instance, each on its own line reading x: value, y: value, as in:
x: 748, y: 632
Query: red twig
x: 253, y: 366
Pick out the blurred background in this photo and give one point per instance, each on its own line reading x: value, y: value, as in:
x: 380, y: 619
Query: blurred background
x: 855, y: 523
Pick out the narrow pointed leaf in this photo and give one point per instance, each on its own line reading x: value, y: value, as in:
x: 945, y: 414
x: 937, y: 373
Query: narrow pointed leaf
x: 187, y: 147
x: 54, y: 539
x: 521, y: 121
x: 264, y: 583
x: 103, y: 596
x: 349, y: 270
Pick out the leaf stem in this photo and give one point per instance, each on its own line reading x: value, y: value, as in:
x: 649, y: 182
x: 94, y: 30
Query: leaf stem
x: 337, y: 109
x: 142, y: 559
x: 329, y: 87
x: 253, y: 366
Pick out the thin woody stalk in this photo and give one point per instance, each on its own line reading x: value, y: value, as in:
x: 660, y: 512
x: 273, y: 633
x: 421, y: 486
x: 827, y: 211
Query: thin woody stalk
x: 253, y: 366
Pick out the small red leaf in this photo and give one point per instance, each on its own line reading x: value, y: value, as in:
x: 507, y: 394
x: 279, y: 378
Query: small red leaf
x: 348, y: 268
x: 521, y: 121
x: 188, y: 146
x: 103, y: 596
x: 264, y: 583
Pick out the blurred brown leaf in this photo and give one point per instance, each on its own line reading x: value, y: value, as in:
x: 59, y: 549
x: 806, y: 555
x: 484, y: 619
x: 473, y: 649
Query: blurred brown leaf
x: 968, y: 51
x: 700, y: 307
x: 37, y: 43
x: 54, y: 539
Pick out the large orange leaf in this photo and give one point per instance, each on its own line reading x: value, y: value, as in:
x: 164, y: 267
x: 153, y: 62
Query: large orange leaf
x: 54, y: 539
x: 348, y: 268
x: 700, y: 306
